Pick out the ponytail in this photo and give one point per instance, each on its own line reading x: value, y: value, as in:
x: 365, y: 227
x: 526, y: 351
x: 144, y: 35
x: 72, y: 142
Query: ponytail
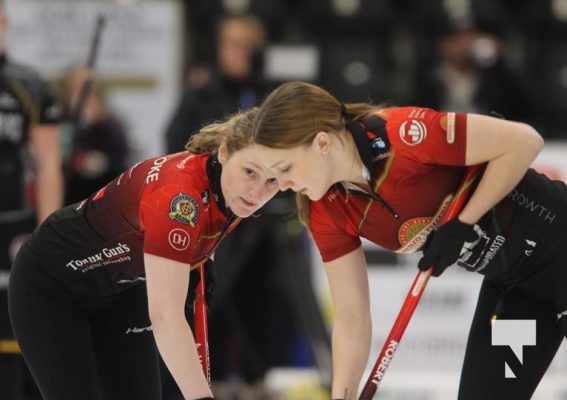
x: 303, y: 208
x: 236, y: 130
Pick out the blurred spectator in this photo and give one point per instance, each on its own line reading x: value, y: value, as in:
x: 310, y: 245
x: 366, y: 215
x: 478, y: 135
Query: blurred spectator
x: 233, y: 83
x: 469, y: 74
x: 32, y: 183
x: 98, y: 140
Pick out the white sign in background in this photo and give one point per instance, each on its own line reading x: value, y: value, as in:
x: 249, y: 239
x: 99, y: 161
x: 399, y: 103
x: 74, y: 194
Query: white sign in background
x: 139, y: 58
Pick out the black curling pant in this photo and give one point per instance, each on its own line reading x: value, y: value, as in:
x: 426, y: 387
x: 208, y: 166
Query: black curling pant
x: 82, y: 347
x: 542, y: 298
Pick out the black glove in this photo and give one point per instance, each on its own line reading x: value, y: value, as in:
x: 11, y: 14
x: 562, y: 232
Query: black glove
x: 444, y: 245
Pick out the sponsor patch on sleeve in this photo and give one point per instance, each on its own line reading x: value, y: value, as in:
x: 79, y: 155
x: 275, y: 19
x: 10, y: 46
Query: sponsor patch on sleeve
x: 179, y: 239
x: 183, y: 208
x: 448, y: 125
x: 413, y: 132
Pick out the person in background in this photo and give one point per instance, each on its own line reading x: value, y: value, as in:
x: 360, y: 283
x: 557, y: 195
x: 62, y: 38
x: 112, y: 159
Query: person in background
x: 102, y: 281
x: 232, y: 84
x: 98, y: 140
x: 469, y: 73
x: 31, y: 178
x: 388, y: 175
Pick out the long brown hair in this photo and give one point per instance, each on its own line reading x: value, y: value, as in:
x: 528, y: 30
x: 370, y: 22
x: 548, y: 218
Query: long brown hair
x: 236, y: 130
x: 294, y: 113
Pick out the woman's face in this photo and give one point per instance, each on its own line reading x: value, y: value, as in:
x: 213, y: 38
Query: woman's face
x: 246, y: 184
x: 304, y: 169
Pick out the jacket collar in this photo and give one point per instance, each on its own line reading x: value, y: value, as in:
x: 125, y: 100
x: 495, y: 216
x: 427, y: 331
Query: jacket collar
x: 214, y: 170
x: 371, y: 141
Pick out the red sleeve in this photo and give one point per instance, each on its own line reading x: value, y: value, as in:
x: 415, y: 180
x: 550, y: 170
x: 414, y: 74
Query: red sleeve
x: 428, y: 136
x: 169, y: 219
x: 332, y: 231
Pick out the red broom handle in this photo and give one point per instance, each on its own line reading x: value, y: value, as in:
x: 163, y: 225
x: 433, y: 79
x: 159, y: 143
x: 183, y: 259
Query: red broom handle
x: 414, y: 295
x: 201, y: 324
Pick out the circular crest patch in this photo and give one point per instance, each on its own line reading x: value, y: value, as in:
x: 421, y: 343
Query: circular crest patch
x: 412, y: 228
x: 183, y: 208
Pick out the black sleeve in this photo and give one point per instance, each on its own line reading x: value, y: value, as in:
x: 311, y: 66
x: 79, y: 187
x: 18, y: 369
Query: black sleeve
x: 49, y: 107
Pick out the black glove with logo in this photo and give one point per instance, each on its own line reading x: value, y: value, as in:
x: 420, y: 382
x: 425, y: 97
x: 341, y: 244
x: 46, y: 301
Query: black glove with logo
x: 444, y: 245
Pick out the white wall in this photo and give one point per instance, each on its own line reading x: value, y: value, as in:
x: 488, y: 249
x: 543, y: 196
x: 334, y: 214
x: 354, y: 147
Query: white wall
x: 139, y: 58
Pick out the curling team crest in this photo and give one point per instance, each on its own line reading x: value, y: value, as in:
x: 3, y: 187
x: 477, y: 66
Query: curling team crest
x: 184, y: 208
